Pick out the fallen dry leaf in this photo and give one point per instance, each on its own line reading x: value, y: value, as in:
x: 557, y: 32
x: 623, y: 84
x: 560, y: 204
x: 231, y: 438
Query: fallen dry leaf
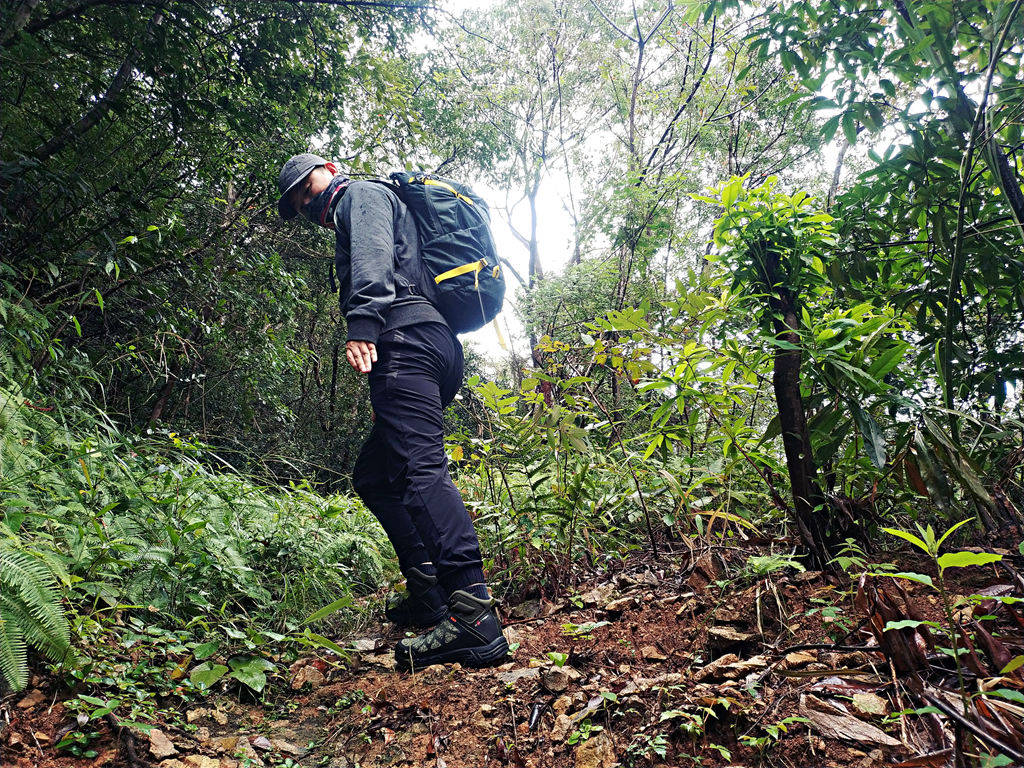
x: 830, y: 721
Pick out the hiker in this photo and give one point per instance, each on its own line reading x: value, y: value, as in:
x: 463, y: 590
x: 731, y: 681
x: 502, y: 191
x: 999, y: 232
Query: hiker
x: 414, y: 363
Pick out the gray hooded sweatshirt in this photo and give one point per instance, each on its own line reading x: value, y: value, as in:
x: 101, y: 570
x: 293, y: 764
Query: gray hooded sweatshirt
x: 377, y: 260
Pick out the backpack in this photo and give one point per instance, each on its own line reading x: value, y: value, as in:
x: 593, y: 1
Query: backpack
x: 458, y: 251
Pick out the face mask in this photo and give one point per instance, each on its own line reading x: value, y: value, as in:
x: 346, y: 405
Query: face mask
x: 320, y: 209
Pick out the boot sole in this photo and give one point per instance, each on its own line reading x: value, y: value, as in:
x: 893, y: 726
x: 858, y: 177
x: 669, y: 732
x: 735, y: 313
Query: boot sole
x: 492, y: 654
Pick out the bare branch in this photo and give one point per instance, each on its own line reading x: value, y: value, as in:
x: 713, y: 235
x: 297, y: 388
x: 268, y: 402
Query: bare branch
x: 611, y: 23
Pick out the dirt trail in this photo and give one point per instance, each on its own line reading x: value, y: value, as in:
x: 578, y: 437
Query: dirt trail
x: 658, y: 663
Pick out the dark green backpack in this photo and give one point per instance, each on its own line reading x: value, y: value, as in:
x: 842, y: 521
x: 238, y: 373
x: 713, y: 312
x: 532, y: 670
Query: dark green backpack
x: 458, y: 251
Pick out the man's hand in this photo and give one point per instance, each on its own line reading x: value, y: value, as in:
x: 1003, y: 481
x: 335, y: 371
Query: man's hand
x: 361, y: 355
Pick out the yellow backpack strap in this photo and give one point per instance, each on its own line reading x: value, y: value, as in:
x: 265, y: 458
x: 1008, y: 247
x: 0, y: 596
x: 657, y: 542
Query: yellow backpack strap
x: 497, y: 330
x: 473, y: 266
x: 449, y: 187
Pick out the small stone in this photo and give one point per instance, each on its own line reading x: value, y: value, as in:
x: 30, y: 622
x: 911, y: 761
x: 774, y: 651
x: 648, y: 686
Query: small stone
x: 715, y: 668
x: 34, y: 698
x: 308, y: 674
x: 799, y: 658
x: 562, y: 727
x: 523, y: 673
x: 555, y: 680
x: 531, y: 609
x: 486, y: 710
x: 869, y: 704
x: 249, y: 755
x: 651, y: 653
x: 746, y: 666
x: 596, y: 752
x: 262, y: 742
x: 513, y: 636
x: 621, y: 605
x: 160, y: 746
x: 598, y: 595
x: 225, y: 743
x: 288, y: 748
x: 386, y: 660
x: 728, y: 635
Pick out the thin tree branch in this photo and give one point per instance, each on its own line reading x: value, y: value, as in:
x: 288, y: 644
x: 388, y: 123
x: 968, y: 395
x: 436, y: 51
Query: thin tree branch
x: 84, y: 124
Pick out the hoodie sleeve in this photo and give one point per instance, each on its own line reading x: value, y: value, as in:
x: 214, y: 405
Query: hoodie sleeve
x: 366, y: 214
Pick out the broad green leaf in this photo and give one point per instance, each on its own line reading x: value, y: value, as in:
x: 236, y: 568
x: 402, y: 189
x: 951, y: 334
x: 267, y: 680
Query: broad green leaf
x: 206, y: 674
x: 206, y: 650
x: 251, y: 672
x: 1009, y: 694
x: 731, y: 191
x: 904, y: 624
x: 313, y: 638
x: 920, y: 578
x: 874, y: 440
x: 966, y: 559
x: 907, y: 536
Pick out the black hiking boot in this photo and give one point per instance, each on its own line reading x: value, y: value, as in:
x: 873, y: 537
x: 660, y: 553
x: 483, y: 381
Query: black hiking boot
x: 422, y: 605
x: 470, y: 635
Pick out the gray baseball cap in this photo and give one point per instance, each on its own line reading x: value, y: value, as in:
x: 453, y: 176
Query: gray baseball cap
x: 295, y: 170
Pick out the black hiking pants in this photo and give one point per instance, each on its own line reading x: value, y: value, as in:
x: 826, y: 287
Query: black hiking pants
x: 401, y: 473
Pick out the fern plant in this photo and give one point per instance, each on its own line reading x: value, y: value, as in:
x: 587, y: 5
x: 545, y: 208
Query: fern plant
x: 31, y: 613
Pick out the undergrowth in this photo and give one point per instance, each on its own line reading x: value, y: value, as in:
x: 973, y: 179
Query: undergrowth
x: 99, y: 523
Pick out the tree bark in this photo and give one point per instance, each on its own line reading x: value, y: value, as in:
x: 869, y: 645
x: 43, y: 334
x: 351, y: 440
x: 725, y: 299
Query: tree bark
x: 809, y: 506
x: 20, y: 18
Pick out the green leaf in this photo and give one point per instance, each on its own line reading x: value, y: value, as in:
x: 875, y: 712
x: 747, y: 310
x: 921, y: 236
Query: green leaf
x: 920, y: 578
x: 874, y: 440
x: 906, y: 624
x: 1009, y: 694
x: 327, y: 610
x: 946, y: 535
x: 251, y: 672
x: 908, y: 537
x: 850, y: 127
x: 731, y: 192
x: 323, y: 642
x: 206, y: 674
x: 1015, y: 663
x: 206, y: 650
x: 967, y: 559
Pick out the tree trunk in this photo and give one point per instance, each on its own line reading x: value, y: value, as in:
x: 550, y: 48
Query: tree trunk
x: 810, y: 509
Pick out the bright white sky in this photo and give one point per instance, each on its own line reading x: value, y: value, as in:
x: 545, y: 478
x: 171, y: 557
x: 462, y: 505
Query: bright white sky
x: 554, y: 235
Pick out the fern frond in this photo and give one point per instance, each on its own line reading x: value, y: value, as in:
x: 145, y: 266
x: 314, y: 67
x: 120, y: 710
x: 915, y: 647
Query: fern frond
x: 13, y: 659
x: 30, y: 605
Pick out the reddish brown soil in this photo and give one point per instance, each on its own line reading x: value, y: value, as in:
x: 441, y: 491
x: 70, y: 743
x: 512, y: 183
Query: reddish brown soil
x: 648, y: 678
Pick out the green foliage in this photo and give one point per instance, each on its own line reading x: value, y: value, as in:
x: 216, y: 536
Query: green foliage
x: 31, y: 613
x: 143, y: 523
